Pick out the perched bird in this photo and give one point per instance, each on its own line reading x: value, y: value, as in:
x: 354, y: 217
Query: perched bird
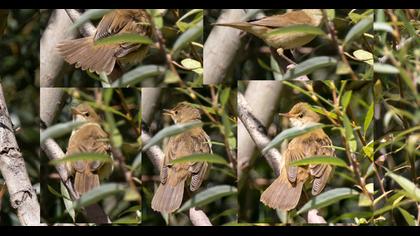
x: 88, y: 138
x: 85, y: 54
x: 168, y: 196
x: 263, y: 27
x: 284, y: 193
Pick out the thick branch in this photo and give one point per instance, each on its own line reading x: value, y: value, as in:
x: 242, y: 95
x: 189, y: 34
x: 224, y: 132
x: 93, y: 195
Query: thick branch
x: 12, y: 166
x: 258, y: 133
x: 149, y: 103
x: 257, y: 93
x: 154, y: 153
x: 87, y: 29
x: 51, y: 63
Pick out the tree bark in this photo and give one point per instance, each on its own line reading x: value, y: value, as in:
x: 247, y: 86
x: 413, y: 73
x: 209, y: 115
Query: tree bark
x: 23, y: 197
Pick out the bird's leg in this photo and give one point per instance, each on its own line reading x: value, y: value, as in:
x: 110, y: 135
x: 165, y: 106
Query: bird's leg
x: 280, y: 51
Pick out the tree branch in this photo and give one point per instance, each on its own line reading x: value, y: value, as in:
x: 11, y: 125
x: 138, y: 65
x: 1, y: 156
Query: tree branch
x: 12, y: 166
x: 268, y: 94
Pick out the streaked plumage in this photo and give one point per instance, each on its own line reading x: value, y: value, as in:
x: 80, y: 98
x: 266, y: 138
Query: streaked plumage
x: 168, y: 196
x: 284, y: 193
x: 102, y: 58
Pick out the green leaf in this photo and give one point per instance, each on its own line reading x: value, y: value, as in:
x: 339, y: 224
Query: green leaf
x: 129, y: 220
x: 356, y: 31
x: 170, y: 131
x: 307, y: 29
x: 53, y: 192
x: 309, y: 66
x: 331, y: 14
x: 139, y: 74
x: 349, y: 134
x: 89, y: 15
x: 124, y: 38
x: 345, y: 100
x: 83, y: 157
x: 368, y: 150
x: 314, y: 160
x: 97, y: 194
x: 291, y: 133
x: 192, y: 65
x: 207, y: 157
x: 382, y: 26
x: 327, y: 198
x: 411, y: 190
x: 59, y: 130
x: 411, y: 221
x: 364, y: 56
x: 68, y: 204
x: 385, y: 69
x: 209, y: 195
x: 369, y: 117
x: 192, y: 34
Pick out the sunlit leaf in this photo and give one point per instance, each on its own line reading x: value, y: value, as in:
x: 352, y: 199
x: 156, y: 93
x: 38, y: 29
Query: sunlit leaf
x: 364, y: 56
x: 124, y: 38
x: 314, y: 160
x: 410, y: 188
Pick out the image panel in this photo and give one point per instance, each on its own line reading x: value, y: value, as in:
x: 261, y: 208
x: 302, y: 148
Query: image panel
x: 397, y: 116
x: 91, y: 161
x: 305, y: 152
x: 189, y: 148
x: 19, y: 117
x: 281, y: 44
x: 121, y: 48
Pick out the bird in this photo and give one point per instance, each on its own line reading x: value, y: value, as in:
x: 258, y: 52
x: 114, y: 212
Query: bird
x: 263, y: 27
x: 87, y: 55
x: 284, y: 193
x: 88, y: 138
x: 169, y: 194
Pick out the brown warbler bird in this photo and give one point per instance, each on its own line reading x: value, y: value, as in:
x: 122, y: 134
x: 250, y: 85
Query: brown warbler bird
x: 284, y: 193
x: 168, y: 196
x: 85, y: 54
x: 262, y: 27
x: 88, y: 138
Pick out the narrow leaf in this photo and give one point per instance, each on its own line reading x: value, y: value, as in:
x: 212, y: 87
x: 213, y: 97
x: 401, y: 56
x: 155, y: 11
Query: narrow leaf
x: 369, y: 117
x: 291, y: 133
x: 314, y: 160
x: 187, y: 37
x: 170, y: 131
x: 124, y: 38
x: 410, y: 188
x: 139, y: 74
x: 357, y: 30
x: 307, y: 29
x: 385, y: 69
x: 91, y: 14
x: 207, y: 157
x: 99, y: 193
x: 207, y: 196
x: 345, y: 100
x: 59, y: 130
x: 309, y: 66
x: 83, y: 157
x: 327, y: 198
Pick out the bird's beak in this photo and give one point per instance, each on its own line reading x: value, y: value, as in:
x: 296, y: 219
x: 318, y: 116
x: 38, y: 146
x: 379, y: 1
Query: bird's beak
x: 285, y: 115
x: 168, y: 112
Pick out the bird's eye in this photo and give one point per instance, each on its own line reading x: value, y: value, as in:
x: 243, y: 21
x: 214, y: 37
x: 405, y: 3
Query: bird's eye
x: 300, y: 115
x: 176, y: 112
x: 87, y: 114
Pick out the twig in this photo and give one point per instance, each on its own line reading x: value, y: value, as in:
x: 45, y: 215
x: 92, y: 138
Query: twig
x: 87, y: 29
x: 23, y: 196
x: 258, y: 133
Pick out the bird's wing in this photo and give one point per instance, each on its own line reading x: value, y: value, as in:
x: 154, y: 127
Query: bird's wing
x: 293, y: 154
x: 111, y: 24
x: 287, y: 19
x: 95, y: 140
x: 321, y: 172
